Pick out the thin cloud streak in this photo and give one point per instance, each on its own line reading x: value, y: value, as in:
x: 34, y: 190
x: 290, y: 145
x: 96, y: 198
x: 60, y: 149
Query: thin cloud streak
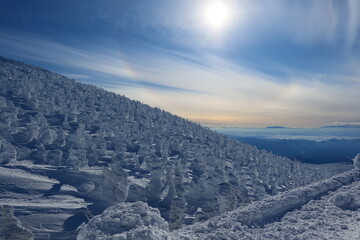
x: 353, y: 22
x: 329, y: 22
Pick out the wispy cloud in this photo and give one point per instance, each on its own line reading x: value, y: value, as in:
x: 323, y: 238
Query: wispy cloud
x: 201, y: 87
x: 328, y: 22
x: 75, y: 76
x: 353, y: 22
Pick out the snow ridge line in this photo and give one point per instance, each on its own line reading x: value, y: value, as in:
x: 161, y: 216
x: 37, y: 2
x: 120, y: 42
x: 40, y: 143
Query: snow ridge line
x: 272, y: 208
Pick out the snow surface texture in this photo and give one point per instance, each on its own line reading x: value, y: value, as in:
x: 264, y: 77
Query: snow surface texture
x: 313, y: 212
x: 10, y: 227
x: 126, y: 221
x: 109, y: 149
x: 40, y: 203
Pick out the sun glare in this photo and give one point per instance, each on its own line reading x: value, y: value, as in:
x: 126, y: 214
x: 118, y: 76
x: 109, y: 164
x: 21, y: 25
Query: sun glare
x: 217, y: 15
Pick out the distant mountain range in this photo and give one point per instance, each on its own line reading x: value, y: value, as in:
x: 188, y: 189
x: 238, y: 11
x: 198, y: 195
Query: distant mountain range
x: 330, y: 126
x: 314, y: 152
x: 344, y: 126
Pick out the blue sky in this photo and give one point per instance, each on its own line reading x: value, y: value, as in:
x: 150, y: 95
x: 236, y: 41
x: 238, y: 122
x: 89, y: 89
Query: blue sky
x: 270, y: 62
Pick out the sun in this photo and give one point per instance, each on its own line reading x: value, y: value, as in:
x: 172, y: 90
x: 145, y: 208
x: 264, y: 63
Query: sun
x: 217, y: 15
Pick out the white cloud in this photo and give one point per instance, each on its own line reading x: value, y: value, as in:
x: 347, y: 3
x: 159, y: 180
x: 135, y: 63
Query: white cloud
x: 328, y: 22
x: 353, y: 22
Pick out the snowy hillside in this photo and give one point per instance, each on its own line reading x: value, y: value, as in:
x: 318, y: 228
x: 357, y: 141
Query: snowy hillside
x: 328, y: 209
x: 82, y: 144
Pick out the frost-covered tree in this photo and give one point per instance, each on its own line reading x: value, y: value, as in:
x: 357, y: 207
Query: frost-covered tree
x: 357, y: 161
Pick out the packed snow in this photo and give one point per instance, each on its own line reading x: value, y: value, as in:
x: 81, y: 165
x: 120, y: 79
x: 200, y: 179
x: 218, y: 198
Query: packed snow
x: 126, y: 221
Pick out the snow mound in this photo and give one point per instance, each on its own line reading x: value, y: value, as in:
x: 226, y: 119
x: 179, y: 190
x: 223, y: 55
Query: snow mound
x: 346, y: 201
x: 126, y: 221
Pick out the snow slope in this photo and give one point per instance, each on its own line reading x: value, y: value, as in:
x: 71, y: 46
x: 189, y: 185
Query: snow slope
x: 328, y: 209
x: 107, y: 149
